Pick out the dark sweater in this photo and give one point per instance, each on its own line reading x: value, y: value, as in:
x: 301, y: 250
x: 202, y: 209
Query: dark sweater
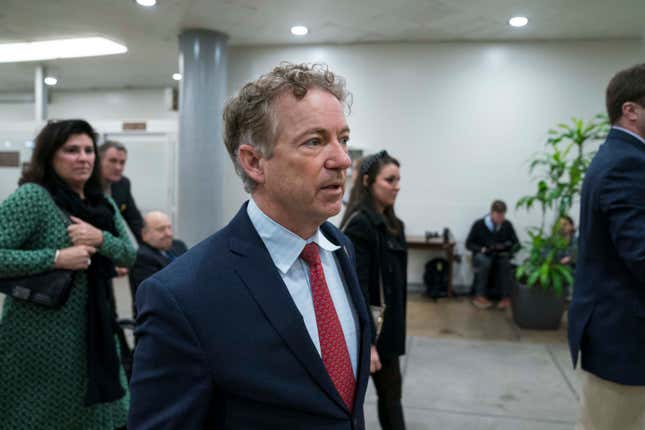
x: 503, y: 239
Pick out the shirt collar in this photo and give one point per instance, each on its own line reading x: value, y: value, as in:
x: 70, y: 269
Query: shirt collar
x: 629, y: 132
x: 283, y: 245
x: 488, y: 220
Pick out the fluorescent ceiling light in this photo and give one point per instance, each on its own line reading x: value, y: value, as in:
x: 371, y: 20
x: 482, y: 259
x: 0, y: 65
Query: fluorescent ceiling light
x: 176, y: 76
x: 146, y: 3
x: 63, y: 48
x: 518, y: 21
x: 51, y: 81
x: 299, y: 30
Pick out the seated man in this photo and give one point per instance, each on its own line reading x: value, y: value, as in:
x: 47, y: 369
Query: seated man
x: 492, y: 241
x: 156, y: 251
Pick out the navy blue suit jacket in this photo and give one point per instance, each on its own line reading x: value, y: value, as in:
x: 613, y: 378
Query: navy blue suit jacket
x: 607, y: 314
x: 222, y: 345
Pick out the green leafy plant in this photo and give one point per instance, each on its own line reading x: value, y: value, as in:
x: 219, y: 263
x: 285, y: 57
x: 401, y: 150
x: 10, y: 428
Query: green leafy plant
x: 559, y: 171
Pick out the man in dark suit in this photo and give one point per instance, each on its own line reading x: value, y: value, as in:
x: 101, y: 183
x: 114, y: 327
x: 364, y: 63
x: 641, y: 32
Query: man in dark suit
x: 158, y: 249
x: 492, y: 240
x: 113, y: 157
x: 263, y: 324
x: 607, y: 314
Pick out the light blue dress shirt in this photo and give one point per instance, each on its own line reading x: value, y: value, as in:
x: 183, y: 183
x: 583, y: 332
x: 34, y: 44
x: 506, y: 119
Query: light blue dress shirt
x: 488, y: 220
x: 284, y: 248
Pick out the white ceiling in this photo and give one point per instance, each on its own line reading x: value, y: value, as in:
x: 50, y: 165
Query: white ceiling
x: 151, y: 33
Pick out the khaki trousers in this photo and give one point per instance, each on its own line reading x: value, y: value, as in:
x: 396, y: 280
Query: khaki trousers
x: 606, y: 405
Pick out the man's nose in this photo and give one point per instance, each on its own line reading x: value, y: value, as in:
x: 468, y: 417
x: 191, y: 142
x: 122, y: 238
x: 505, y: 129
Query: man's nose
x: 339, y: 158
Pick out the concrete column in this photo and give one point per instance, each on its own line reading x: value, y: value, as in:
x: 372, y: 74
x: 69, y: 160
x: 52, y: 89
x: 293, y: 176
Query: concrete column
x: 40, y: 94
x: 203, y: 63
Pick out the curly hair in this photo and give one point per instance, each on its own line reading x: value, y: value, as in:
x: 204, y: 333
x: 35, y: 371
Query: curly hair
x: 249, y: 117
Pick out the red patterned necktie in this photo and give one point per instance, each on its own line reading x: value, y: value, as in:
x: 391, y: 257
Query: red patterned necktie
x: 332, y: 341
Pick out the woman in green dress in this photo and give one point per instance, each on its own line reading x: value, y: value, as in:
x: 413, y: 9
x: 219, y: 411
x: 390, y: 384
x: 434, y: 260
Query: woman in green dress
x: 60, y: 368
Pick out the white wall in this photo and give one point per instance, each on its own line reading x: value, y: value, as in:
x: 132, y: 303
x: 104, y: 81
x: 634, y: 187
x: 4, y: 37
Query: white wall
x: 462, y: 118
x: 131, y: 105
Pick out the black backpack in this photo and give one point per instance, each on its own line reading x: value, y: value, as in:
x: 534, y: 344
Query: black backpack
x: 435, y: 278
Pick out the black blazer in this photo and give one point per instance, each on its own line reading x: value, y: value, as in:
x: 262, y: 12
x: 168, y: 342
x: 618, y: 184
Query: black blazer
x: 607, y: 314
x: 222, y: 345
x: 122, y: 196
x: 380, y: 252
x: 480, y: 236
x: 150, y: 260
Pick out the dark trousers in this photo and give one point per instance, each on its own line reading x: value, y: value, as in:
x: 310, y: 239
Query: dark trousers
x: 387, y: 382
x: 503, y: 273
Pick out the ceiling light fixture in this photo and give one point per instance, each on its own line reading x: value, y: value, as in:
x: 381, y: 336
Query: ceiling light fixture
x: 62, y: 48
x: 299, y: 30
x: 50, y: 80
x: 146, y: 3
x: 518, y: 21
x: 176, y: 76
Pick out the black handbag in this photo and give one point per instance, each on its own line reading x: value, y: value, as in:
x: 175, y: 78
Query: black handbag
x: 50, y: 289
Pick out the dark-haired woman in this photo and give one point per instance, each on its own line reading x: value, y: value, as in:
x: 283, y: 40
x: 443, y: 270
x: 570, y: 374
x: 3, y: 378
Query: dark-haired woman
x: 60, y: 368
x: 381, y: 260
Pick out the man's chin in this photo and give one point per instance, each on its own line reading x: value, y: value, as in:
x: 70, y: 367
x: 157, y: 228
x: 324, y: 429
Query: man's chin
x: 333, y: 209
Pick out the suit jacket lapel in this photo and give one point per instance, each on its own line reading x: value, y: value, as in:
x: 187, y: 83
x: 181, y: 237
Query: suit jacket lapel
x: 254, y: 266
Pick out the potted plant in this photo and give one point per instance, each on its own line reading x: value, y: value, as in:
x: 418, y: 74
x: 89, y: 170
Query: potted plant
x: 538, y: 300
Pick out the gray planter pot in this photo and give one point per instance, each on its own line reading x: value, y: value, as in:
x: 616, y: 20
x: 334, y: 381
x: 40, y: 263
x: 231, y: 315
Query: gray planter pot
x: 536, y: 308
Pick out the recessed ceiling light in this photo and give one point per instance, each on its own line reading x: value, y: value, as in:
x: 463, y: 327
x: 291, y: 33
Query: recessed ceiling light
x: 146, y: 3
x: 63, y: 48
x: 299, y: 30
x: 51, y: 81
x: 176, y: 76
x: 518, y: 21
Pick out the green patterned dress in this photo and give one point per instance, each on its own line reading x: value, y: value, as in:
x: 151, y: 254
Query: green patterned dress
x: 42, y: 351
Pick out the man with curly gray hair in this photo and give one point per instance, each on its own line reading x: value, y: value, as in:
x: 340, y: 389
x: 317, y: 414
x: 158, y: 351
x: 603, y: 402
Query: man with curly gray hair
x: 263, y: 325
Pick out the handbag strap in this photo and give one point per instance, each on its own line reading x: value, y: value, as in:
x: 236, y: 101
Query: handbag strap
x: 380, y: 272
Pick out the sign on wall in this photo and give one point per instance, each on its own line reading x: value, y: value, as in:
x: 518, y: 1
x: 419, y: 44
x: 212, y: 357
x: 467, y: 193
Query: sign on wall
x: 9, y: 159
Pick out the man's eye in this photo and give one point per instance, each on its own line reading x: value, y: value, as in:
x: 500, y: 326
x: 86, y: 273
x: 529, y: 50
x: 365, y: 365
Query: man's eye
x: 313, y: 142
x: 344, y: 140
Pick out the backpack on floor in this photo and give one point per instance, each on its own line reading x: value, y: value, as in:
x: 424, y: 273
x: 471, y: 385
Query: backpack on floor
x: 435, y: 278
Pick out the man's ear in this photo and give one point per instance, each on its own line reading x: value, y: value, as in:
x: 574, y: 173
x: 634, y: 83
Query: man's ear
x: 629, y: 111
x: 366, y: 180
x: 250, y: 161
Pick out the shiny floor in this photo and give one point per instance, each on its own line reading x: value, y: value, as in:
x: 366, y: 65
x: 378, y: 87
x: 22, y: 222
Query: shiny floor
x: 473, y: 369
